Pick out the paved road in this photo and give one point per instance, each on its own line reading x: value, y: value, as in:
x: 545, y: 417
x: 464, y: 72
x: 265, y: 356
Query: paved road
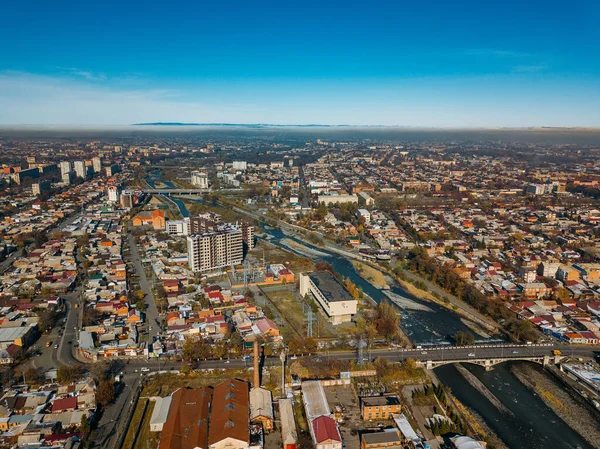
x: 152, y: 316
x: 395, y: 355
x: 113, y: 421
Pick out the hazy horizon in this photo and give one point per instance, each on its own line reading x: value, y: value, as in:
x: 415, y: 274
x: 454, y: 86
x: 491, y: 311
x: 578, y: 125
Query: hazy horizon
x: 435, y: 65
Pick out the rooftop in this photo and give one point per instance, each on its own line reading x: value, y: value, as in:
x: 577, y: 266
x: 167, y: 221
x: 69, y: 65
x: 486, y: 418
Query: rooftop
x: 330, y: 286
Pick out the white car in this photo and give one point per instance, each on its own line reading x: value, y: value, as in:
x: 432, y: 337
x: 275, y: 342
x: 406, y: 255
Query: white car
x: 471, y: 354
x: 145, y: 369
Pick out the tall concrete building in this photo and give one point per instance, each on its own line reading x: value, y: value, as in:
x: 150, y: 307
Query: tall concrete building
x: 200, y: 180
x: 68, y: 177
x: 80, y: 169
x: 97, y: 164
x: 216, y: 249
x: 112, y: 170
x: 240, y: 165
x: 113, y: 194
x: 65, y: 167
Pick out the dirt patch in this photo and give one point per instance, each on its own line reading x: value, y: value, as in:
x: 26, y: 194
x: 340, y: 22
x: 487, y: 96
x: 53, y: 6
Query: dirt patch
x: 374, y: 276
x: 560, y: 401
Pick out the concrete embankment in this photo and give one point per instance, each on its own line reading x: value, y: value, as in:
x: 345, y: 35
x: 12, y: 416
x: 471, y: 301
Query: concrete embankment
x: 478, y: 385
x: 567, y: 407
x: 477, y: 425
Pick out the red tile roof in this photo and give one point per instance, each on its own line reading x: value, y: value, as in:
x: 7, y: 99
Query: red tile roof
x: 60, y: 405
x: 325, y: 429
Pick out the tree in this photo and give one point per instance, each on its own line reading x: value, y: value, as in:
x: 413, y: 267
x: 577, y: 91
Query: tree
x: 462, y: 338
x: 324, y: 266
x: 84, y: 425
x: 47, y: 319
x: 140, y: 305
x: 32, y: 376
x: 69, y: 373
x: 105, y: 393
x: 386, y: 320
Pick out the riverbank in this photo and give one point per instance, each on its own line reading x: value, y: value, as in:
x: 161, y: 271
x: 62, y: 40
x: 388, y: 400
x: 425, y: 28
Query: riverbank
x: 577, y: 416
x: 375, y: 277
x: 477, y: 425
x: 478, y: 385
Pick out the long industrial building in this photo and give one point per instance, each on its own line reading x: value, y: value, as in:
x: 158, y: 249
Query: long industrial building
x: 335, y: 300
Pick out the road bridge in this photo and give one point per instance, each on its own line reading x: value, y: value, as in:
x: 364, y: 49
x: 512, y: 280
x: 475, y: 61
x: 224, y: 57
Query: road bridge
x: 188, y: 192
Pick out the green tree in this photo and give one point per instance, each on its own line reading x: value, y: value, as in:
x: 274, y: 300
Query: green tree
x: 84, y: 425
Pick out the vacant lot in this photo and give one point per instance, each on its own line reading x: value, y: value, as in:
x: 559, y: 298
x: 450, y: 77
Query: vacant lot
x: 276, y: 255
x: 289, y: 308
x: 344, y: 396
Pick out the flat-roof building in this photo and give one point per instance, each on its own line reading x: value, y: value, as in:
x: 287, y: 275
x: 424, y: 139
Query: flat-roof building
x: 335, y: 300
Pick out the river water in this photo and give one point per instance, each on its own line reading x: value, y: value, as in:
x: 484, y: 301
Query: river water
x: 424, y: 322
x: 531, y: 423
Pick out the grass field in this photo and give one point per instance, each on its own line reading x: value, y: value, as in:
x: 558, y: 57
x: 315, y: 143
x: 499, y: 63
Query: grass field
x: 293, y: 314
x: 136, y: 420
x: 147, y: 439
x: 290, y: 310
x: 165, y: 384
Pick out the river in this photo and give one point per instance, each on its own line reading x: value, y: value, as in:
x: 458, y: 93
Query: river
x: 532, y: 424
x: 424, y: 322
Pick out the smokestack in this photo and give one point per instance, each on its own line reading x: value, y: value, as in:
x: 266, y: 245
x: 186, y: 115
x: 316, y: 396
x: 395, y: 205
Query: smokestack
x: 256, y: 372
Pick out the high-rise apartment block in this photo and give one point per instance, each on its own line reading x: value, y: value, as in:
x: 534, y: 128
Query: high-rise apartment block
x: 97, y: 164
x: 240, y: 165
x: 113, y: 194
x: 65, y: 167
x: 216, y: 249
x: 80, y: 169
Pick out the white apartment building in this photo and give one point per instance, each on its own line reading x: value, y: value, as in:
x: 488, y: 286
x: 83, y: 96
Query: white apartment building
x: 365, y: 214
x: 97, y: 164
x: 212, y: 250
x: 178, y: 227
x: 80, y: 169
x: 200, y: 179
x: 332, y: 199
x: 240, y: 165
x: 113, y: 194
x: 335, y: 300
x: 65, y: 167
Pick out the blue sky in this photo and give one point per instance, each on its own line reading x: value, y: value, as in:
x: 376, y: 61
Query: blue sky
x: 436, y: 63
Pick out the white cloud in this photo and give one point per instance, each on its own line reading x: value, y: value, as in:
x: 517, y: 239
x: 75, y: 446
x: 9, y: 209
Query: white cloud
x: 27, y: 98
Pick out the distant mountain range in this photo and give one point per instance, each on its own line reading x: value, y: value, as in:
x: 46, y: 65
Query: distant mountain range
x: 241, y: 125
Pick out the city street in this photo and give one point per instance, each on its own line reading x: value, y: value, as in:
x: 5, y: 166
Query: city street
x: 152, y: 315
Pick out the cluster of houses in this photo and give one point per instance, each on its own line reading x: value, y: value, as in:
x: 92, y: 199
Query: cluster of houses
x: 50, y: 416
